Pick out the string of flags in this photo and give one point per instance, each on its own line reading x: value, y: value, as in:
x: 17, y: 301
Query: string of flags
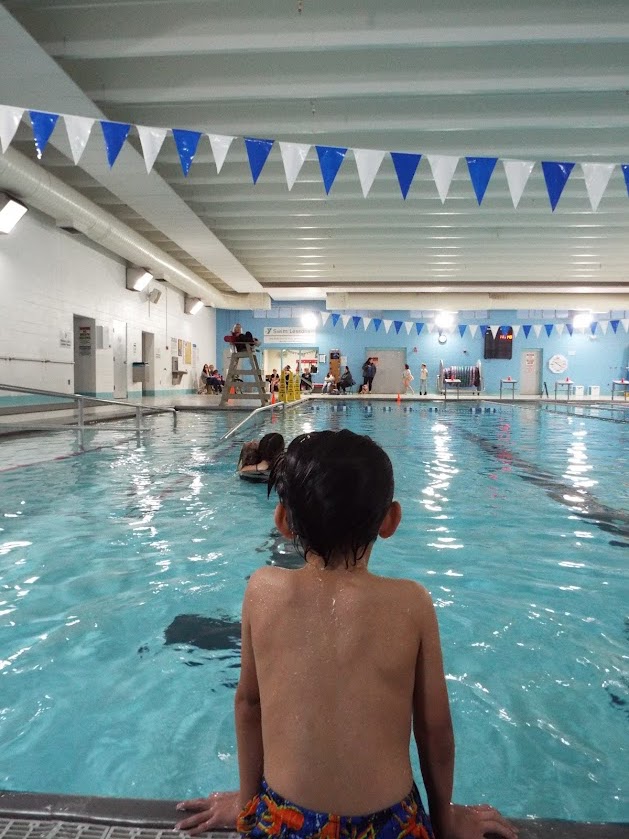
x: 331, y: 158
x: 417, y: 327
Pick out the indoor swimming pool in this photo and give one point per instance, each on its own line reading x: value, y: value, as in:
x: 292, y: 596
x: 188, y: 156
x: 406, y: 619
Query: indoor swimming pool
x: 122, y: 570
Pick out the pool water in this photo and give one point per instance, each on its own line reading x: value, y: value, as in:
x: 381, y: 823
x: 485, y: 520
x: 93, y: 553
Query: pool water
x: 122, y: 571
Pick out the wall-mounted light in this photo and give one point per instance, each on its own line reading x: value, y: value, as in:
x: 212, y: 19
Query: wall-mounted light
x: 444, y: 320
x: 192, y: 305
x: 138, y: 278
x: 11, y: 211
x: 154, y: 296
x: 582, y: 320
x: 309, y: 320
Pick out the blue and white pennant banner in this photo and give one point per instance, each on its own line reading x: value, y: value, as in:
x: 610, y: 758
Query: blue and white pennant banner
x: 368, y: 161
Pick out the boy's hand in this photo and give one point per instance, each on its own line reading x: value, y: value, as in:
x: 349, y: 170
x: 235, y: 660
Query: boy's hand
x: 479, y: 820
x: 218, y: 810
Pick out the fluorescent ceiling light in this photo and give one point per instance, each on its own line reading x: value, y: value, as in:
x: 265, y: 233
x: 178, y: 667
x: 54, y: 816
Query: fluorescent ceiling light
x: 138, y: 278
x: 192, y: 305
x: 11, y: 211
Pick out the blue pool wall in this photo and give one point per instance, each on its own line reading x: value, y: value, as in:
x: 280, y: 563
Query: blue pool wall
x: 594, y: 358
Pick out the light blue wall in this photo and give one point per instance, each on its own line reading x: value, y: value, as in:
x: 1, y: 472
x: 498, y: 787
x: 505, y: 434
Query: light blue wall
x: 592, y: 359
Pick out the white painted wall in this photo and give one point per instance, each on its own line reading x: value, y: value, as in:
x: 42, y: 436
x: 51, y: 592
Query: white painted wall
x: 48, y: 276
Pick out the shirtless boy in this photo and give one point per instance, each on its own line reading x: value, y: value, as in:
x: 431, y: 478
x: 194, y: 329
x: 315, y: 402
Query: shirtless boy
x: 338, y: 667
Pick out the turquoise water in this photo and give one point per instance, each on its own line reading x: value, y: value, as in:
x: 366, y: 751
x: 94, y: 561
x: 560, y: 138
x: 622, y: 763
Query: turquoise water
x: 516, y: 521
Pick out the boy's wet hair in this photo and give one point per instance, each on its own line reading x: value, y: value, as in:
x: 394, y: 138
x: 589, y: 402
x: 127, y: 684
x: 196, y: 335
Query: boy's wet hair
x: 336, y: 487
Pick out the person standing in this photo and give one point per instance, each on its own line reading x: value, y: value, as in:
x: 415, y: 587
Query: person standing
x: 423, y: 380
x: 369, y: 371
x: 407, y: 378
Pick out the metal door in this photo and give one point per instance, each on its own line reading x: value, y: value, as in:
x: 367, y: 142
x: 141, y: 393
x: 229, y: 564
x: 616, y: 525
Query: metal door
x: 389, y: 366
x: 119, y: 346
x: 531, y: 373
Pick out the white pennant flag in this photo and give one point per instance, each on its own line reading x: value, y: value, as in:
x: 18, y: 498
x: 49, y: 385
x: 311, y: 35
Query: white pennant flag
x: 293, y: 157
x: 324, y: 318
x: 560, y: 328
x: 494, y: 330
x: 78, y: 130
x: 625, y: 324
x: 537, y: 328
x: 366, y: 322
x: 408, y: 325
x: 152, y: 140
x: 345, y: 320
x: 368, y: 163
x: 597, y: 177
x: 473, y: 327
x: 516, y: 330
x: 602, y: 325
x: 220, y: 146
x: 9, y: 121
x: 443, y: 168
x: 430, y: 327
x: 387, y: 324
x: 517, y: 172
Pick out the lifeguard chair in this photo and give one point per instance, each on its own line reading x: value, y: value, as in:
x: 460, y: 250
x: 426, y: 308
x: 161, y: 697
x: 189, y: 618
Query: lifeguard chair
x: 244, y: 369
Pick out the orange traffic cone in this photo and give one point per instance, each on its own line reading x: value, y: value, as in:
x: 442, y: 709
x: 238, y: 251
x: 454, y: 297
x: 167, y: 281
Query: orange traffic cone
x: 232, y: 391
x: 273, y: 398
x: 399, y: 398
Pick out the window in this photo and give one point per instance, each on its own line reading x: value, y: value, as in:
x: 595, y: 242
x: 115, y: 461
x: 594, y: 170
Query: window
x: 500, y: 346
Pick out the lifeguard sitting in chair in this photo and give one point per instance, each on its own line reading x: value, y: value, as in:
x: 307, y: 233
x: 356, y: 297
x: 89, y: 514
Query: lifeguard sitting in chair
x: 240, y: 339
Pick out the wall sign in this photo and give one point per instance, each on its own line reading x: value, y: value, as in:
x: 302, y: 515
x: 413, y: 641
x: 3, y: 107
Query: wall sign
x: 288, y: 335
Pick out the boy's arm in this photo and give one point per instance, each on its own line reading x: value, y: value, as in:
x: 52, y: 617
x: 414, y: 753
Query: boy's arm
x: 247, y: 711
x: 432, y: 724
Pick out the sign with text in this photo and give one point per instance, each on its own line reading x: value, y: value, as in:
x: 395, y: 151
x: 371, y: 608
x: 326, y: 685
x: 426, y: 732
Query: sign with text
x: 288, y: 335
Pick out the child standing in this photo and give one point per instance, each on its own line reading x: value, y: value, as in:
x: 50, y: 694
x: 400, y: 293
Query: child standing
x: 423, y: 380
x: 338, y: 666
x: 407, y: 378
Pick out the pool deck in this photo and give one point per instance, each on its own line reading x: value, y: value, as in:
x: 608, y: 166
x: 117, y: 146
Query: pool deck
x: 43, y: 816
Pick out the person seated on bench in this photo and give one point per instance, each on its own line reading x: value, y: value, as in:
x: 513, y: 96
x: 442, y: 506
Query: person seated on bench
x: 241, y: 339
x: 215, y: 380
x: 257, y: 458
x: 205, y: 375
x: 346, y: 380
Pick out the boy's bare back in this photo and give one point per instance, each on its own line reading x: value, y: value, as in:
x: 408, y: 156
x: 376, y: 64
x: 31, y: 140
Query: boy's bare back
x: 339, y: 656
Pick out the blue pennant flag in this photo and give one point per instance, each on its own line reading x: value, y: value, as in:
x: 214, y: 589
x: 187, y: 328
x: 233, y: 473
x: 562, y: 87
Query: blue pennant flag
x: 549, y: 328
x: 257, y: 152
x: 570, y: 328
x: 115, y: 133
x: 593, y: 326
x: 556, y: 175
x: 405, y: 168
x: 614, y: 325
x: 526, y: 328
x: 481, y: 169
x: 483, y: 330
x: 462, y: 328
x: 186, y: 142
x: 504, y: 330
x: 356, y: 320
x: 43, y: 126
x: 330, y: 159
x: 398, y: 326
x: 335, y: 319
x: 419, y: 327
x: 625, y: 171
x: 377, y: 322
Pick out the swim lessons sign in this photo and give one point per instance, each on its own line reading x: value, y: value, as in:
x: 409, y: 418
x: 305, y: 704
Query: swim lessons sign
x: 288, y: 335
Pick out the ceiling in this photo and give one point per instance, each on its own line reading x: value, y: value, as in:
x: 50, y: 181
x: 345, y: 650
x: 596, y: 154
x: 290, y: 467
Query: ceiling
x: 520, y: 80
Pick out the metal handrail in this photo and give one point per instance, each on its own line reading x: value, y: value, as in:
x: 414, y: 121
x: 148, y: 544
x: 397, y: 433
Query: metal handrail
x: 255, y: 411
x: 81, y: 399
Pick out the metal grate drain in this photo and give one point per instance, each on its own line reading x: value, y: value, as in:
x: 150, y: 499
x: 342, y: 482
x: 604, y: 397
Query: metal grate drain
x: 30, y: 829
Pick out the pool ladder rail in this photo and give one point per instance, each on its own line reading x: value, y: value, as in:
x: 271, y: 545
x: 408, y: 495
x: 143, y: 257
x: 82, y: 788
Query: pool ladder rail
x: 82, y: 402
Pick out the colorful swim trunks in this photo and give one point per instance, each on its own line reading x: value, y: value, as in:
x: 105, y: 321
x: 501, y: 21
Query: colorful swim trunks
x: 268, y: 814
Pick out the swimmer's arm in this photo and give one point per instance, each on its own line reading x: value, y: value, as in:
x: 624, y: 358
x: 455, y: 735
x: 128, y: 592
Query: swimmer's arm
x: 432, y: 724
x: 247, y: 713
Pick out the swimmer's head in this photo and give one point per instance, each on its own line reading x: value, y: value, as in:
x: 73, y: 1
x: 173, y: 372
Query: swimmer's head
x: 336, y: 491
x: 270, y: 447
